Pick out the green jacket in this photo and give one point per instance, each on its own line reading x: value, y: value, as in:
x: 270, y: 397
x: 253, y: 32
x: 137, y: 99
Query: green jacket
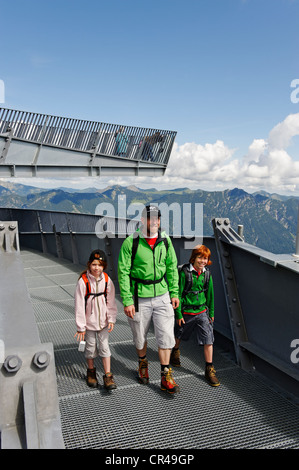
x: 206, y: 299
x: 148, y: 265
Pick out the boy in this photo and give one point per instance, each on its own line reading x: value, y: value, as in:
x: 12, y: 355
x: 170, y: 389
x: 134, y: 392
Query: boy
x: 196, y: 310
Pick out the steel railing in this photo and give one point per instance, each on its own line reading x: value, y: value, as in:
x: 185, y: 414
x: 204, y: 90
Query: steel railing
x: 130, y: 142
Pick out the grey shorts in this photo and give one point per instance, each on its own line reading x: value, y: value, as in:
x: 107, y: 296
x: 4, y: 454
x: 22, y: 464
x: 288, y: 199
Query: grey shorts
x: 97, y: 343
x: 160, y: 311
x: 200, y: 324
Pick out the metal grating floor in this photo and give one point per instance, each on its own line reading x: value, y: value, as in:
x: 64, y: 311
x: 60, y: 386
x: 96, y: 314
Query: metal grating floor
x: 243, y: 413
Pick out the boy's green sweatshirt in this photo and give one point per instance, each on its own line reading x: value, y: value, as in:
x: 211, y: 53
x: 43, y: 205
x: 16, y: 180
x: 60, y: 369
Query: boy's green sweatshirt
x: 148, y: 264
x: 207, y: 299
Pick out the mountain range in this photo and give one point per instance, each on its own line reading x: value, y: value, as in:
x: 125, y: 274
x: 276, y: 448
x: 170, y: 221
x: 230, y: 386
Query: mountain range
x: 269, y: 220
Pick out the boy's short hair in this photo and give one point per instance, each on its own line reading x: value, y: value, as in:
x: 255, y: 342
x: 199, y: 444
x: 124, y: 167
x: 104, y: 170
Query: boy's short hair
x: 200, y: 250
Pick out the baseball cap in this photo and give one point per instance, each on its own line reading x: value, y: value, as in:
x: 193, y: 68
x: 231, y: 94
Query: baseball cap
x: 150, y: 209
x: 98, y: 255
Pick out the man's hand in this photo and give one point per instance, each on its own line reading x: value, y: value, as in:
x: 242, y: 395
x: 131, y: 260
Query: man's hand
x: 130, y: 311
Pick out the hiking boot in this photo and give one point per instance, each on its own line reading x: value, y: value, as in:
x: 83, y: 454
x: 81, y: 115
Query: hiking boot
x: 175, y: 357
x: 143, y: 377
x: 92, y: 378
x: 167, y: 382
x: 210, y: 375
x: 109, y: 383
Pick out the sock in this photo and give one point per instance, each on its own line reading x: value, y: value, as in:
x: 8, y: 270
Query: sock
x: 209, y: 364
x: 163, y: 366
x: 141, y: 358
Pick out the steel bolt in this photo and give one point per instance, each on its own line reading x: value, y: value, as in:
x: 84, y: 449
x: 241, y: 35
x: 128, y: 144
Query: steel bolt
x: 12, y: 364
x: 41, y: 359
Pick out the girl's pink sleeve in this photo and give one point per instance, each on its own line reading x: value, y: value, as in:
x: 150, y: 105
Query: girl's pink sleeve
x: 80, y: 306
x: 111, y: 302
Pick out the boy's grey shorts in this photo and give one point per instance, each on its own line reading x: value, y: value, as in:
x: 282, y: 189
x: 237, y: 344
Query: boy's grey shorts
x: 200, y: 324
x: 160, y: 310
x: 97, y: 343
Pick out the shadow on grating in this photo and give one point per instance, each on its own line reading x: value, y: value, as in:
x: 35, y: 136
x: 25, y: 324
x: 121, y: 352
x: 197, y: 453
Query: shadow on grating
x: 242, y: 413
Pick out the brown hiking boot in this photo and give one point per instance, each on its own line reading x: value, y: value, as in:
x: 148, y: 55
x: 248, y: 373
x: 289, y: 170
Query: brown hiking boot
x: 143, y: 377
x: 109, y: 383
x: 210, y: 375
x: 92, y: 378
x: 175, y: 357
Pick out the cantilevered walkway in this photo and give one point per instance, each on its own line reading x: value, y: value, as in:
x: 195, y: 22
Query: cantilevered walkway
x: 33, y: 144
x: 244, y: 412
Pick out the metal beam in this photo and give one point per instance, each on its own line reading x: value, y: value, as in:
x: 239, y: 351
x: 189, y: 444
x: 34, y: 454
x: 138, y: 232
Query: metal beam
x: 224, y: 234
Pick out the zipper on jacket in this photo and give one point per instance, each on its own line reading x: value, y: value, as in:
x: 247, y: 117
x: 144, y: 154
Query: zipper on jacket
x: 98, y: 305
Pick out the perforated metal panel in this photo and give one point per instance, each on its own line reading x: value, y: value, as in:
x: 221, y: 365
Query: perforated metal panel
x: 244, y: 412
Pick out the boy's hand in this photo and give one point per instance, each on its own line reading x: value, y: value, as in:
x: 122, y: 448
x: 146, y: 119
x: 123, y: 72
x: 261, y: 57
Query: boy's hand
x: 180, y: 321
x: 110, y: 327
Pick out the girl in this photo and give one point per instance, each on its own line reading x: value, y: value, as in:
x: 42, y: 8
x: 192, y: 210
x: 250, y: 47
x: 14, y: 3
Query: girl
x: 95, y: 312
x: 196, y: 309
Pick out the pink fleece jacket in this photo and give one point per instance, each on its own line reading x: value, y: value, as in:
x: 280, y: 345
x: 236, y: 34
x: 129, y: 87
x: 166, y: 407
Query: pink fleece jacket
x: 98, y: 314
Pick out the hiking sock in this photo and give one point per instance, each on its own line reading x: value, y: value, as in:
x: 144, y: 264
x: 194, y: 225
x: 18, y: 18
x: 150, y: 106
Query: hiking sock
x: 163, y: 367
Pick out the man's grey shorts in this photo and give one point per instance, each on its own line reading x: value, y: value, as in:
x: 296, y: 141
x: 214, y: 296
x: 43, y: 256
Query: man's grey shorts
x: 160, y: 310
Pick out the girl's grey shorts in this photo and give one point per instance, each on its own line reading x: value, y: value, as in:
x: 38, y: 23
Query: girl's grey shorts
x: 160, y: 310
x: 97, y: 343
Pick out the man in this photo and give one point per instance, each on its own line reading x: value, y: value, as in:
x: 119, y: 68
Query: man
x: 142, y: 267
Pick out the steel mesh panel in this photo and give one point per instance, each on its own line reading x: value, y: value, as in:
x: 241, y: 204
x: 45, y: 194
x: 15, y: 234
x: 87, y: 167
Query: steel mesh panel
x: 47, y: 294
x: 60, y: 333
x: 39, y: 281
x: 143, y: 417
x: 57, y: 310
x: 242, y: 413
x: 64, y: 279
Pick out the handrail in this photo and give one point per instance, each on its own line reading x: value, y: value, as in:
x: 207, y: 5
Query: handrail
x: 130, y: 142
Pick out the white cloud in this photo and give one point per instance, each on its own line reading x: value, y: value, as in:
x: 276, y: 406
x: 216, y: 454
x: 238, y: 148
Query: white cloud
x: 267, y: 165
x: 282, y: 133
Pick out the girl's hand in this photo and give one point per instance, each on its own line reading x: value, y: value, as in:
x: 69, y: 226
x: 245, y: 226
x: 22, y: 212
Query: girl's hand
x: 80, y: 335
x: 110, y: 327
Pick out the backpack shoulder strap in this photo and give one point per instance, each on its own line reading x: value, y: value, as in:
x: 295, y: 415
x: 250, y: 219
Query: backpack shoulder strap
x: 87, y: 285
x: 134, y: 248
x: 207, y: 279
x: 106, y: 283
x: 88, y: 290
x: 188, y: 278
x: 165, y: 240
x: 86, y: 282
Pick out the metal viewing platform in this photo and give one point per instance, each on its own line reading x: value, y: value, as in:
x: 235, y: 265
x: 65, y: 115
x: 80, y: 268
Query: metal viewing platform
x: 42, y: 145
x: 256, y: 324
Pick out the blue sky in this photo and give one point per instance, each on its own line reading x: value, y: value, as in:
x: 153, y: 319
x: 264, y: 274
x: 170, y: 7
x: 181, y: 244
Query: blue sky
x: 218, y: 72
